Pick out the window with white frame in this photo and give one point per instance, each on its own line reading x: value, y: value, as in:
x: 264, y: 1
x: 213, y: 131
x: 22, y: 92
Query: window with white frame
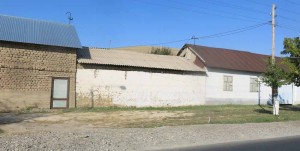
x: 227, y: 84
x: 253, y: 84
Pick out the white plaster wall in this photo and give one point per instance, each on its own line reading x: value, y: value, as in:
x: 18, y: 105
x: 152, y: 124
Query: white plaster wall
x: 241, y: 89
x: 296, y: 95
x: 188, y: 54
x: 138, y: 88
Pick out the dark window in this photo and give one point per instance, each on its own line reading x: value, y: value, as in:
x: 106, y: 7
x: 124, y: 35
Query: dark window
x: 227, y: 84
x: 253, y: 85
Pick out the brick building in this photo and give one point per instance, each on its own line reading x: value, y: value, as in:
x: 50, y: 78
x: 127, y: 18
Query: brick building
x: 37, y: 64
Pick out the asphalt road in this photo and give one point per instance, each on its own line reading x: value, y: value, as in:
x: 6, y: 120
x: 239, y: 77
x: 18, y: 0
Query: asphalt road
x: 277, y: 144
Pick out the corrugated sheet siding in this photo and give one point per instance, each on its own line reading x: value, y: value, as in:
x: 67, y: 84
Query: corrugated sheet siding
x: 23, y: 30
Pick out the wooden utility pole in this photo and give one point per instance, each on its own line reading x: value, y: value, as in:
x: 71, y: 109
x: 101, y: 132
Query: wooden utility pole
x: 274, y: 89
x: 194, y: 38
x: 273, y: 33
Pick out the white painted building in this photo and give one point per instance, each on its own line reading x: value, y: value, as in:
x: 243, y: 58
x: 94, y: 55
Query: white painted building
x: 198, y: 75
x: 120, y: 78
x: 231, y: 76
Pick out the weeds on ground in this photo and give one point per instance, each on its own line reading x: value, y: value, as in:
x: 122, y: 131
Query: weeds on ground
x: 187, y: 115
x: 1, y: 131
x: 213, y: 114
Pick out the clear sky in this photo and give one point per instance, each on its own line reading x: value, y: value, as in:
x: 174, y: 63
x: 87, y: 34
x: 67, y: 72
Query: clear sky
x: 145, y: 22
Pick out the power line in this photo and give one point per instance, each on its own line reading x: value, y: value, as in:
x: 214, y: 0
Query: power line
x: 289, y: 11
x: 155, y: 44
x: 231, y: 32
x: 258, y: 3
x: 289, y: 28
x: 287, y: 18
x: 226, y: 33
x: 230, y: 5
x: 217, y: 10
x: 292, y: 2
x: 194, y: 38
x: 284, y: 25
x: 267, y: 5
x: 201, y: 12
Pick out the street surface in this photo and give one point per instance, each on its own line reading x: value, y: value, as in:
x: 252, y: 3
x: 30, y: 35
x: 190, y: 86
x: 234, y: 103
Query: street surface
x: 274, y: 144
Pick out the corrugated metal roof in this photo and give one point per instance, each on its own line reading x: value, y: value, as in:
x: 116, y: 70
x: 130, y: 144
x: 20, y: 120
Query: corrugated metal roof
x: 133, y: 59
x: 15, y: 29
x: 231, y: 59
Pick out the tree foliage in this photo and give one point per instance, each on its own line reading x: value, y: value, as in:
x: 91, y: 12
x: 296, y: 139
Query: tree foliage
x: 292, y: 49
x: 161, y: 51
x: 274, y: 76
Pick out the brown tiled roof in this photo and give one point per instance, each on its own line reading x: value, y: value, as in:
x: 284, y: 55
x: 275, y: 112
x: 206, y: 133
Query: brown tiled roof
x: 134, y: 59
x: 231, y: 59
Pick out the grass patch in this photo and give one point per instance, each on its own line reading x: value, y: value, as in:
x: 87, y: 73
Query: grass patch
x: 1, y: 131
x: 215, y: 114
x: 116, y: 108
x: 147, y: 117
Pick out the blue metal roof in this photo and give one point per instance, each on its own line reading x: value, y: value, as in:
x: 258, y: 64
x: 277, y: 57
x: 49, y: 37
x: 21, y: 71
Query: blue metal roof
x: 15, y: 29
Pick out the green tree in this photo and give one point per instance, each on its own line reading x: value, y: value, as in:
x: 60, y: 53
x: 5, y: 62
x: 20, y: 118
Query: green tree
x: 275, y: 77
x: 292, y: 49
x: 161, y: 51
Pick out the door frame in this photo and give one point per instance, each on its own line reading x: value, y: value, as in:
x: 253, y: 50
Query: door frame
x: 68, y: 93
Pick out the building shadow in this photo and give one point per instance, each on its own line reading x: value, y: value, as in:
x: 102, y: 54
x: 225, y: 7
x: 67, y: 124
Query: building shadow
x: 263, y: 110
x: 290, y: 108
x: 9, y: 118
x: 268, y: 110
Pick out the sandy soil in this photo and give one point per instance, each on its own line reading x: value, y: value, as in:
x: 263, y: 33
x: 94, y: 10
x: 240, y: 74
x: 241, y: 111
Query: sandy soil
x: 29, y: 123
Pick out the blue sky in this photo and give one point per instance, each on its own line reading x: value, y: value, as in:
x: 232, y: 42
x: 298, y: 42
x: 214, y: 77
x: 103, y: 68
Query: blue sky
x: 145, y: 22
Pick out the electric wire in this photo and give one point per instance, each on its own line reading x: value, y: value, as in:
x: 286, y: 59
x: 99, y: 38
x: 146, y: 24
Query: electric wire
x: 215, y: 10
x: 223, y: 4
x: 289, y: 28
x: 258, y: 2
x: 292, y: 2
x: 287, y: 18
x: 230, y: 5
x: 221, y: 34
x: 201, y: 12
x: 231, y: 32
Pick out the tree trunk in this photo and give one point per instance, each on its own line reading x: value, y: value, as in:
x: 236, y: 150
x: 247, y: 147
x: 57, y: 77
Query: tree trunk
x: 274, y: 97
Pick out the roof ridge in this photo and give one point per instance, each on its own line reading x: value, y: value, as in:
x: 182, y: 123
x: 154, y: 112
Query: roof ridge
x: 230, y: 59
x: 98, y: 48
x: 33, y: 31
x: 134, y: 59
x: 227, y: 49
x: 143, y: 46
x: 38, y: 20
x: 131, y: 52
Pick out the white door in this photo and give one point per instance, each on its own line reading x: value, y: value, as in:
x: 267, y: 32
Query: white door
x: 60, y: 93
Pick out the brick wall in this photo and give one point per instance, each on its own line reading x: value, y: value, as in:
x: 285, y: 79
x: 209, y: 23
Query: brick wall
x: 26, y: 72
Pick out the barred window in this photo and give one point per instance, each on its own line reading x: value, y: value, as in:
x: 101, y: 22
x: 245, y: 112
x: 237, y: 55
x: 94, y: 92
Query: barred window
x: 253, y: 85
x: 227, y: 85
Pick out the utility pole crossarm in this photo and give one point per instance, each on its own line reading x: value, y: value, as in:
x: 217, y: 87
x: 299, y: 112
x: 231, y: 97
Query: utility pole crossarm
x: 194, y: 38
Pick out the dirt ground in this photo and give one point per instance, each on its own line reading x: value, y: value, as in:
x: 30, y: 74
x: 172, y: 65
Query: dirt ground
x: 126, y: 130
x: 13, y: 123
